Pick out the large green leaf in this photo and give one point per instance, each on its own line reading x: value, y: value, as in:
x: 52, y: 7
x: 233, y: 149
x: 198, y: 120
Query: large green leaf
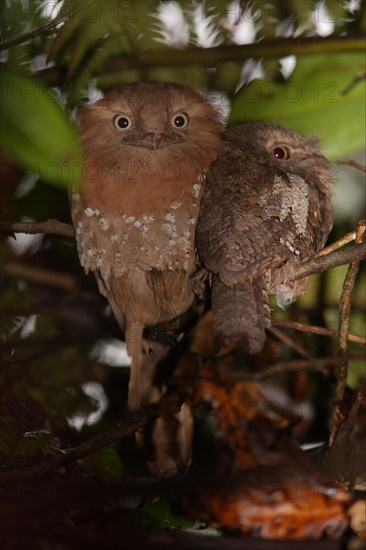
x: 322, y: 98
x: 105, y: 464
x: 95, y: 32
x: 37, y: 132
x: 15, y: 444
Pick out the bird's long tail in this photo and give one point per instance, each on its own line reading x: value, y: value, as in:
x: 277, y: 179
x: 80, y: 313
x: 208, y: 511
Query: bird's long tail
x: 167, y: 441
x: 241, y: 312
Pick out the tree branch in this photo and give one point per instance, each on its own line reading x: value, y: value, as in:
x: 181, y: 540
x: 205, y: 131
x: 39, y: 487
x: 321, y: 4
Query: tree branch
x: 25, y: 37
x: 290, y: 342
x: 347, y: 238
x: 209, y: 57
x: 53, y: 227
x: 344, y: 320
x: 327, y: 258
x: 133, y: 421
x: 316, y: 330
x: 353, y: 164
x: 41, y: 276
x: 317, y: 264
x: 355, y: 252
x: 319, y: 365
x: 358, y: 78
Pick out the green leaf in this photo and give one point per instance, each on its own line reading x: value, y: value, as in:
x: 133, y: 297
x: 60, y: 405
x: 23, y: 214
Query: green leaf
x: 37, y: 131
x: 159, y: 512
x: 15, y: 444
x: 317, y: 100
x: 94, y: 32
x: 105, y: 464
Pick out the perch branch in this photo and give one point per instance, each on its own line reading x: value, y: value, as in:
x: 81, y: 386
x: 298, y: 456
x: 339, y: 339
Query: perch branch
x: 53, y: 227
x: 347, y: 238
x: 335, y: 259
x: 132, y: 422
x: 326, y: 259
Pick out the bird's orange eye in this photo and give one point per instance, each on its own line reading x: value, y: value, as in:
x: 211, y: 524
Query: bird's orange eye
x: 180, y: 120
x: 281, y: 153
x: 122, y: 122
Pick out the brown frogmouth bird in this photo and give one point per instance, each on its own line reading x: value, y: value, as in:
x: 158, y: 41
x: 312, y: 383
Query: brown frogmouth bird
x: 147, y: 147
x: 266, y: 207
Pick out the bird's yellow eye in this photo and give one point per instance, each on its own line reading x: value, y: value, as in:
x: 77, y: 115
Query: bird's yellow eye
x: 180, y: 120
x: 281, y: 153
x: 122, y: 122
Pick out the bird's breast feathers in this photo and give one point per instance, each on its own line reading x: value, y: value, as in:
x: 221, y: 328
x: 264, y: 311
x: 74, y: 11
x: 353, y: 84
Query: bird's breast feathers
x: 155, y: 233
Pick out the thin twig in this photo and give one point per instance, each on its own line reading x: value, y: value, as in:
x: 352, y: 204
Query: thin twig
x: 353, y: 163
x: 344, y: 314
x: 344, y: 320
x: 54, y: 227
x: 319, y: 365
x: 41, y: 276
x: 347, y: 238
x: 48, y: 277
x: 21, y: 38
x: 288, y: 341
x: 133, y: 421
x: 322, y: 331
x: 358, y: 78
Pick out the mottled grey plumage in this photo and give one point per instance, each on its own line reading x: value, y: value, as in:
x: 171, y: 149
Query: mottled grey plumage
x: 261, y: 215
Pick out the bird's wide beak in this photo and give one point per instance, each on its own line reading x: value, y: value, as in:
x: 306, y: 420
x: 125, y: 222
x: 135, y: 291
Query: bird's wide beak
x: 152, y: 140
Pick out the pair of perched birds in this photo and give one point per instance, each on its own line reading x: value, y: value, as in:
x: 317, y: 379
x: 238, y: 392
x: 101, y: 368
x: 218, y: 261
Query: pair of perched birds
x: 168, y: 193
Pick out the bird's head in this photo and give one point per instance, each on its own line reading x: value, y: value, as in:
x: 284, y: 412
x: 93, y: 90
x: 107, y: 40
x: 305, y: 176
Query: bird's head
x: 151, y: 127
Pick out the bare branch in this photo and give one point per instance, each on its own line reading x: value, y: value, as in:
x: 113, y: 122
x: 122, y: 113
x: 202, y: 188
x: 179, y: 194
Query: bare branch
x: 347, y: 238
x: 133, y: 421
x: 41, y: 276
x: 209, y: 57
x: 335, y: 259
x: 288, y: 341
x: 354, y: 164
x: 358, y: 78
x: 319, y: 365
x: 322, y: 261
x: 344, y: 320
x: 25, y: 37
x: 54, y: 227
x: 322, y: 331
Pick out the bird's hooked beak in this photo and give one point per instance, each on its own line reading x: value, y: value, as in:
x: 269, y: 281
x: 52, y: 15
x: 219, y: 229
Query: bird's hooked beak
x: 153, y: 140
